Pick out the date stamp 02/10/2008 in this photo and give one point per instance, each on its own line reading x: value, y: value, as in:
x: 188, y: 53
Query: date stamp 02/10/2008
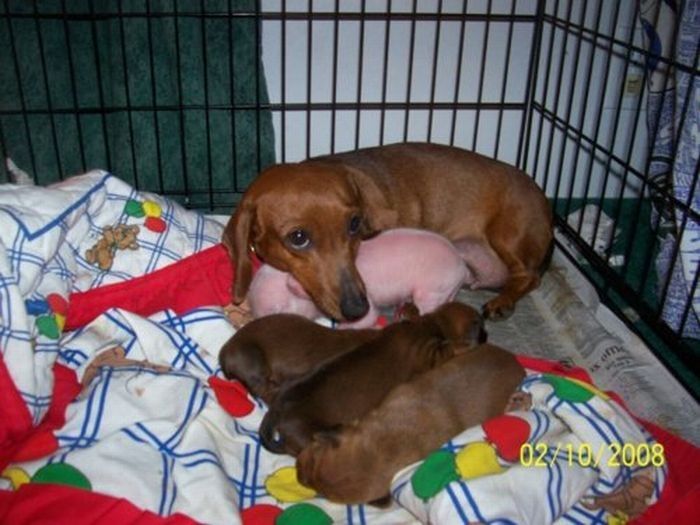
x: 586, y: 455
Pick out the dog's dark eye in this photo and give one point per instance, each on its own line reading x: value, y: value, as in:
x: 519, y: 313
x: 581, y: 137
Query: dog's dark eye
x: 354, y: 224
x: 299, y: 239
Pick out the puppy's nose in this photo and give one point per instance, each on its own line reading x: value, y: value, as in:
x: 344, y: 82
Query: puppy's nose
x: 354, y: 306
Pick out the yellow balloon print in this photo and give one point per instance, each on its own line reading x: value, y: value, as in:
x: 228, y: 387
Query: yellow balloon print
x: 16, y: 475
x: 60, y: 321
x: 284, y: 486
x: 477, y: 459
x: 152, y: 209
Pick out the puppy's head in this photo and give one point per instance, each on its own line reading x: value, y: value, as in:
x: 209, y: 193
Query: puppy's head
x: 338, y: 465
x: 459, y: 323
x: 243, y: 360
x: 306, y: 219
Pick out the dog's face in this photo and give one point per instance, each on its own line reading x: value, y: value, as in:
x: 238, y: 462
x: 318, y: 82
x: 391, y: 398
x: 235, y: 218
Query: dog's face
x: 306, y: 219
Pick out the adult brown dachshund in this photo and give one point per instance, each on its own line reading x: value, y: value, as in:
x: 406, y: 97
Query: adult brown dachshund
x: 356, y: 463
x: 349, y: 386
x: 268, y: 353
x: 308, y: 219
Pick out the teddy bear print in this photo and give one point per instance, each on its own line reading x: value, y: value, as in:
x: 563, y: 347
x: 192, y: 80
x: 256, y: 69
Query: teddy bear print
x: 120, y: 237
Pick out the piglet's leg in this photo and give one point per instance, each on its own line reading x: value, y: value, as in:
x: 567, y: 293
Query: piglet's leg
x: 427, y: 302
x: 486, y: 268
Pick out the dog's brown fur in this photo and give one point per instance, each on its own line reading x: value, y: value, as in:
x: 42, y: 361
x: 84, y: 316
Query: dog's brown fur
x: 356, y: 463
x: 495, y: 214
x: 270, y: 352
x: 349, y: 386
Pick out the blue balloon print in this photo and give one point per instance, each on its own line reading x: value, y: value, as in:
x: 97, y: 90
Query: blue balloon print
x: 37, y: 306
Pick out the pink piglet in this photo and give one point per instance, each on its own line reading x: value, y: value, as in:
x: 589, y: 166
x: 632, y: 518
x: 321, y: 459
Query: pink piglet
x: 397, y: 266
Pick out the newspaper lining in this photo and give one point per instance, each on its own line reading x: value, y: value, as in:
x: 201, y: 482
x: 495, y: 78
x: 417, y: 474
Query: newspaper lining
x: 564, y: 320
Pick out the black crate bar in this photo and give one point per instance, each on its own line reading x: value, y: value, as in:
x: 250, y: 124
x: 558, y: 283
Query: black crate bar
x: 154, y: 98
x: 458, y: 75
x: 567, y: 119
x: 614, y: 154
x: 504, y: 84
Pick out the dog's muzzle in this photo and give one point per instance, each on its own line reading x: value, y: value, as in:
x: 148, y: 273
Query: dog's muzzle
x: 353, y: 303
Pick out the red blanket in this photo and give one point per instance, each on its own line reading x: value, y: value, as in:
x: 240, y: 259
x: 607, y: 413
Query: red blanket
x: 204, y: 279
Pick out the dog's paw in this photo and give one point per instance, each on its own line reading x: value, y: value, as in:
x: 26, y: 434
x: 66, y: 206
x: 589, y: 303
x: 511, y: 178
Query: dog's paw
x: 498, y: 309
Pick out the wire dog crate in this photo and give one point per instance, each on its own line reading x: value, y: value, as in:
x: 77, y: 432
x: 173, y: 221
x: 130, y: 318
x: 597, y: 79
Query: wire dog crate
x: 191, y: 99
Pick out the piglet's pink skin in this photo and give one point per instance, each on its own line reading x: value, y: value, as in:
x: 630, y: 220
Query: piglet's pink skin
x: 276, y: 292
x: 397, y: 266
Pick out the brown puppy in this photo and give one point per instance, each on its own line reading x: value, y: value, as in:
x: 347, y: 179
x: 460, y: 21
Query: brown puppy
x: 349, y: 386
x: 268, y: 353
x: 308, y: 219
x: 356, y: 463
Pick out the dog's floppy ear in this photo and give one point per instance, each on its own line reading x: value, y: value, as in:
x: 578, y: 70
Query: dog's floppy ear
x: 236, y: 238
x: 378, y: 213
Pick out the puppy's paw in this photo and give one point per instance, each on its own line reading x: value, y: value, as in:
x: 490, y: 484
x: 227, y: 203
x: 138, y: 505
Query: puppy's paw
x: 498, y: 309
x: 407, y: 312
x: 239, y: 315
x: 519, y: 401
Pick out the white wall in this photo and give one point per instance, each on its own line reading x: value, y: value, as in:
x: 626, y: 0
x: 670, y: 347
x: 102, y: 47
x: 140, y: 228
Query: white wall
x: 291, y: 138
x: 397, y: 81
x: 623, y: 131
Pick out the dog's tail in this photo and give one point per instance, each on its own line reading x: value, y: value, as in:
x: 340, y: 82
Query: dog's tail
x: 270, y: 436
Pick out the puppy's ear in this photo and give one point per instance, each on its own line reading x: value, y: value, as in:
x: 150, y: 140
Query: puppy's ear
x: 382, y: 502
x: 376, y: 208
x: 236, y: 238
x: 328, y: 437
x: 477, y: 333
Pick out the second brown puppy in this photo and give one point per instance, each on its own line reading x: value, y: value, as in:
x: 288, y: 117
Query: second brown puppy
x: 356, y: 463
x: 271, y: 352
x: 349, y: 386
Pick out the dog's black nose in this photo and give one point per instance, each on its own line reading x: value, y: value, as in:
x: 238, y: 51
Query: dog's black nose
x: 353, y: 301
x: 354, y: 306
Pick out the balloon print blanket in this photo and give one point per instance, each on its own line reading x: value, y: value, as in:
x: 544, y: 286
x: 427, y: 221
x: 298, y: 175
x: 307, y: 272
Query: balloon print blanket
x: 130, y: 405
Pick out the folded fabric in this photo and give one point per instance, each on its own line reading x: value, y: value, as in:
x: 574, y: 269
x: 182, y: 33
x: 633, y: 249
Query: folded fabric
x: 82, y: 233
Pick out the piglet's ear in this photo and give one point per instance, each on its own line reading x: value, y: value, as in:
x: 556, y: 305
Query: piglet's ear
x: 296, y: 288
